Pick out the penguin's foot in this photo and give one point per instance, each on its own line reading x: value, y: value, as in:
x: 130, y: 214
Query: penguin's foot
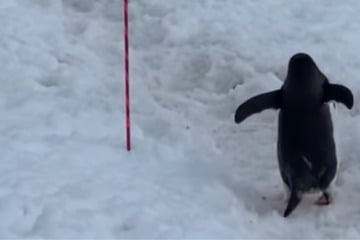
x: 324, y: 199
x: 282, y: 197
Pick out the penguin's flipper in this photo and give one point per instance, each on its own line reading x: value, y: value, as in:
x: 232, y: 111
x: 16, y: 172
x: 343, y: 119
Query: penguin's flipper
x: 338, y: 93
x: 257, y: 104
x: 295, y: 198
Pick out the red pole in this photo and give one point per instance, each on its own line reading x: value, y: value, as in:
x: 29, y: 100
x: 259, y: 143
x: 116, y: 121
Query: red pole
x: 127, y: 75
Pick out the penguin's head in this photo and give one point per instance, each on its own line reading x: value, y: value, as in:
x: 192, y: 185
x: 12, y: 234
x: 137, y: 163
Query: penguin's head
x: 304, y: 80
x: 302, y: 68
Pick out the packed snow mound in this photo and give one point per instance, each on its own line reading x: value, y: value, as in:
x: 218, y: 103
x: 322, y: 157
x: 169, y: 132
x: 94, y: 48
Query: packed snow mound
x: 192, y: 172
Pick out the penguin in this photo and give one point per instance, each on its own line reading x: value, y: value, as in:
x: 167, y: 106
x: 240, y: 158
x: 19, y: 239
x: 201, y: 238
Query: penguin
x: 306, y: 149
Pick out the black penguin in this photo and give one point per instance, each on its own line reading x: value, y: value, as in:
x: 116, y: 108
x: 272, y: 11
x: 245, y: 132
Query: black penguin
x: 305, y: 148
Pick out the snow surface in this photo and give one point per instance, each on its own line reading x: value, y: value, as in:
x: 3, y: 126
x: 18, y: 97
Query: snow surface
x: 192, y: 172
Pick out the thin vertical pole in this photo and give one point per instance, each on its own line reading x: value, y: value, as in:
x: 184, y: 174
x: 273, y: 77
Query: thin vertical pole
x: 127, y: 75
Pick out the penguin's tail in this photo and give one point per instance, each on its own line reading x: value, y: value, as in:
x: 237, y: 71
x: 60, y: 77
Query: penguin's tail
x: 295, y: 198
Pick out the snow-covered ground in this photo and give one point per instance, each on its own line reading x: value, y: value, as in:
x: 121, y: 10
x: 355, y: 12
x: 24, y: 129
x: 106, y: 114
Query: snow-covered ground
x: 192, y: 172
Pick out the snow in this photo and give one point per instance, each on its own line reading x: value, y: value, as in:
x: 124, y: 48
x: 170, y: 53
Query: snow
x: 192, y: 172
